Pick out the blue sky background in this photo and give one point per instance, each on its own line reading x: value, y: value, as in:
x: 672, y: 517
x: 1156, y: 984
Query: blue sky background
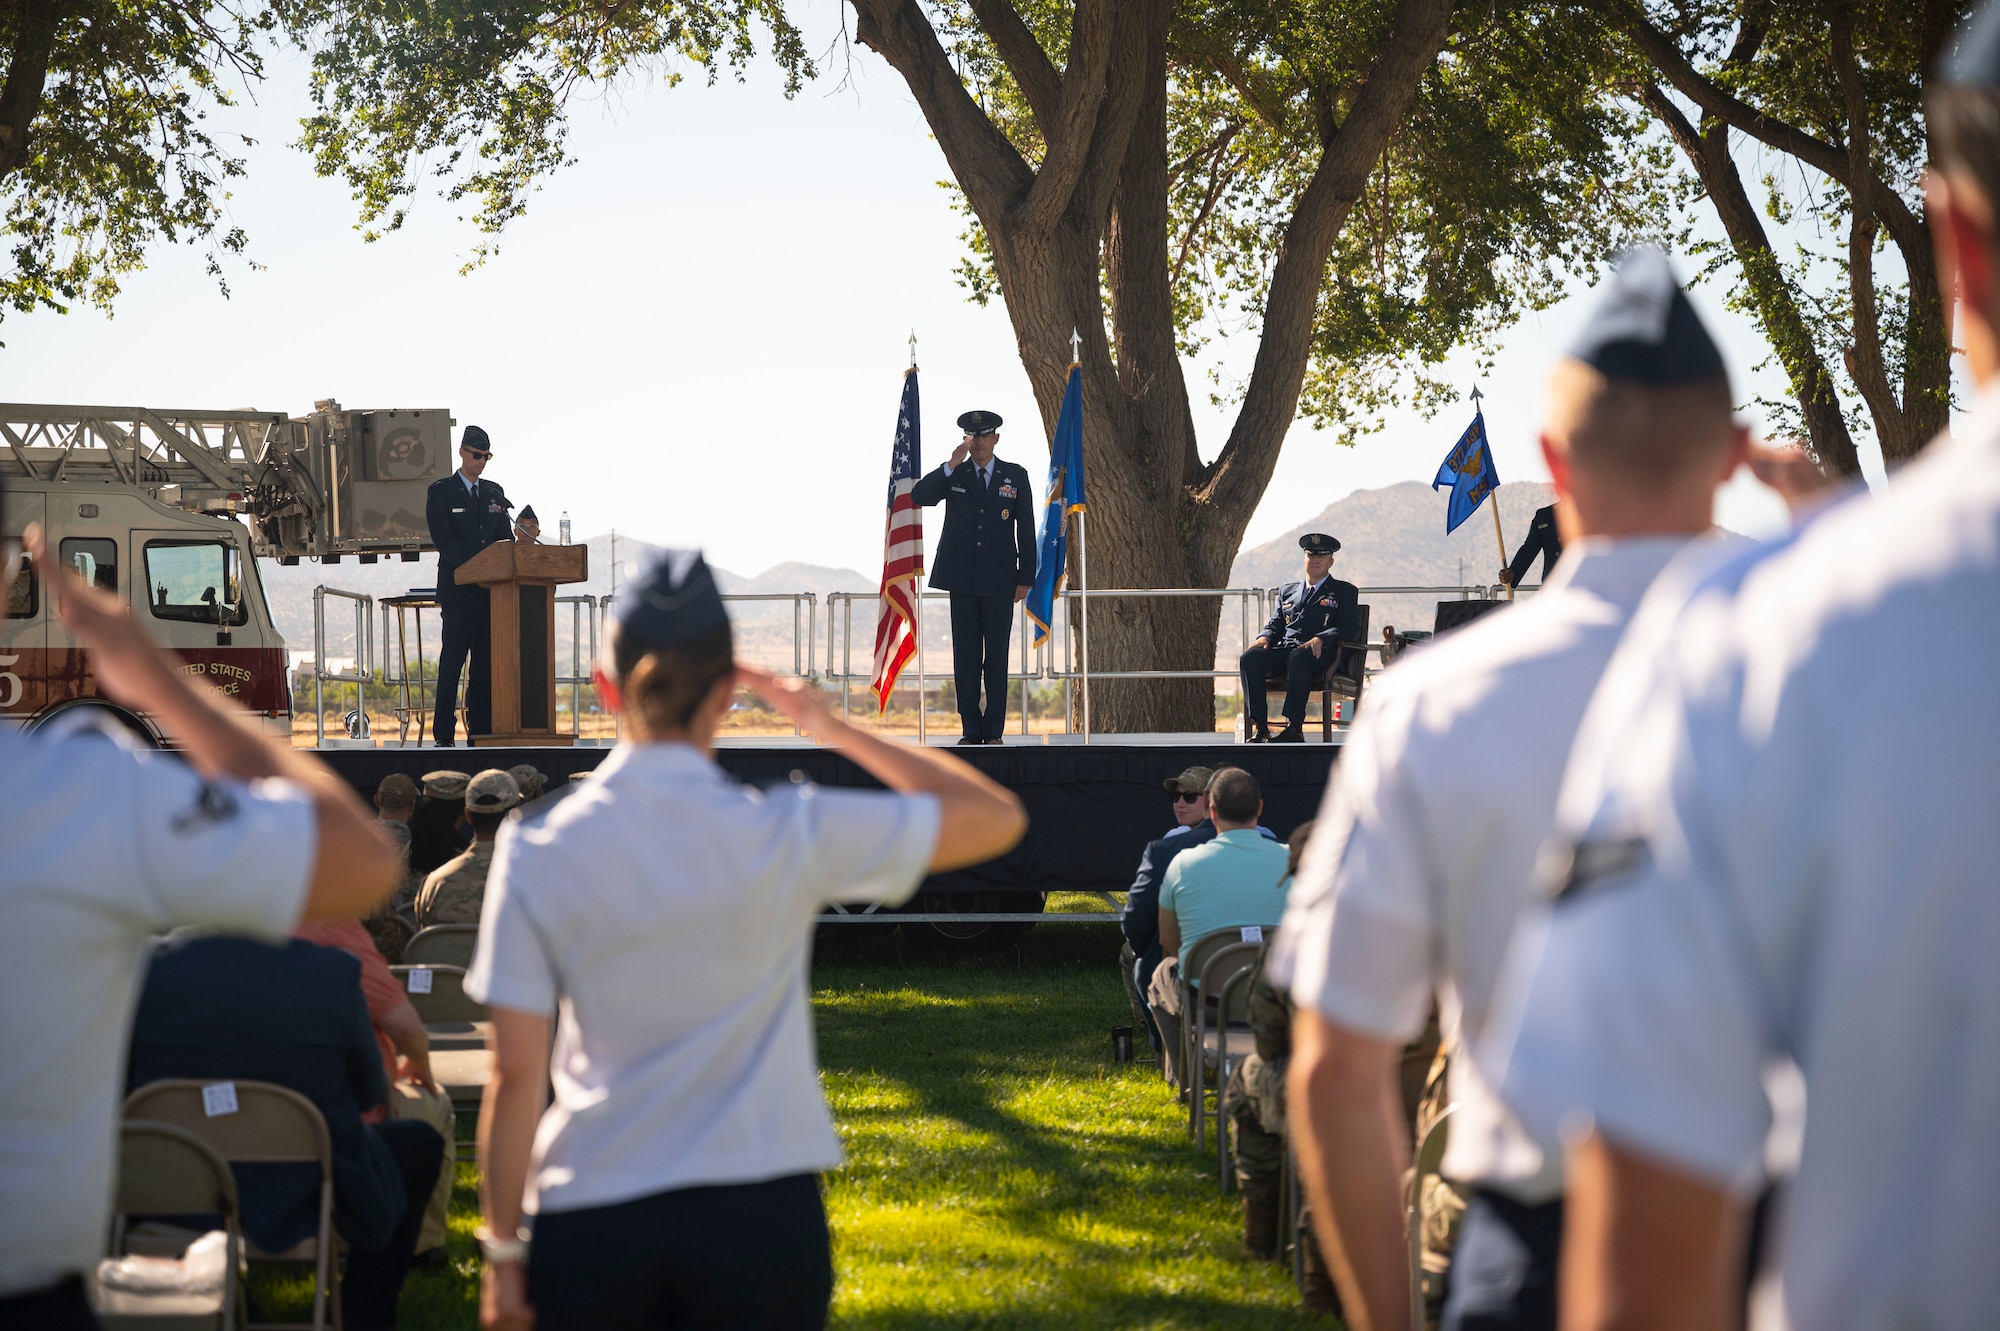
x: 696, y: 334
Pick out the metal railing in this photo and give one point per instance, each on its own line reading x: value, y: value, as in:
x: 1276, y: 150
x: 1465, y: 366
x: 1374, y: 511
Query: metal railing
x: 364, y: 657
x: 805, y: 625
x: 580, y: 663
x: 847, y: 675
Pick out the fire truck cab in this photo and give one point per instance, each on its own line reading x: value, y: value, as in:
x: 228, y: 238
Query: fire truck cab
x: 153, y: 505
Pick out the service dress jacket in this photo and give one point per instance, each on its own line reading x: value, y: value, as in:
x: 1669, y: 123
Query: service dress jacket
x: 988, y: 545
x: 1544, y: 539
x: 462, y: 525
x: 1329, y: 610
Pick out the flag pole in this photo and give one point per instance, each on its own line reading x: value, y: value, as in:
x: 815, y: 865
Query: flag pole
x: 1083, y: 559
x: 917, y: 593
x: 1498, y: 538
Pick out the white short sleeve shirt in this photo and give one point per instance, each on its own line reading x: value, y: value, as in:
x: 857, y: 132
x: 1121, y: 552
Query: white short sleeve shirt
x: 1788, y: 855
x: 1425, y: 849
x: 101, y: 849
x: 665, y: 912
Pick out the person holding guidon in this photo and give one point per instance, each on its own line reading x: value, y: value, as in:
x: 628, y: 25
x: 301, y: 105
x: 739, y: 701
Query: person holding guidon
x: 661, y: 918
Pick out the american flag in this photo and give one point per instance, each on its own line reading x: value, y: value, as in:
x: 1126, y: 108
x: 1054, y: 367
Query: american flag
x: 902, y: 550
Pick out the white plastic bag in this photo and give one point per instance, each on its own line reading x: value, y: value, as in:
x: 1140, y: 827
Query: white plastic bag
x: 197, y: 1271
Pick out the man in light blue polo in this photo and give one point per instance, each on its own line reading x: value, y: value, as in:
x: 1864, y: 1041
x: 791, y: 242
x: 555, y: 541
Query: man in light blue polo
x: 1235, y: 880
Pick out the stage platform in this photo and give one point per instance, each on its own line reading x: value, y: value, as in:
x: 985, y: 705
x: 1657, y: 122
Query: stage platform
x: 1091, y: 807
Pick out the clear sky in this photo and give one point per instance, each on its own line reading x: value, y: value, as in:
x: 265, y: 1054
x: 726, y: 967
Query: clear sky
x: 697, y: 333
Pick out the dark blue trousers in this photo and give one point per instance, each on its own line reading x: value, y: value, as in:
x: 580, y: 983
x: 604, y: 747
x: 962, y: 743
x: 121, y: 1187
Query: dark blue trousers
x: 374, y: 1279
x: 1299, y: 666
x: 746, y: 1257
x: 467, y: 635
x: 1503, y: 1271
x: 979, y: 629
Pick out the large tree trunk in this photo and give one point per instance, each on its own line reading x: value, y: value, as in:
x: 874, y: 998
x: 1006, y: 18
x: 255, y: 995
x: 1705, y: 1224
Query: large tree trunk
x: 1092, y: 217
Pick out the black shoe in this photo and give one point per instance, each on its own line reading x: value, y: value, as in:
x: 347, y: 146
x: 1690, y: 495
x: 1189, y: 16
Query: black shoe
x: 1290, y: 735
x: 996, y: 739
x: 444, y: 744
x: 431, y: 1257
x: 1257, y: 735
x: 964, y: 740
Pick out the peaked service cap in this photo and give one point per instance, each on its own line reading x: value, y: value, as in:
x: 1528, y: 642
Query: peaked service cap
x: 979, y: 422
x: 1973, y: 60
x: 492, y: 791
x: 474, y: 437
x: 1643, y: 328
x: 671, y: 599
x: 1318, y: 543
x: 445, y: 784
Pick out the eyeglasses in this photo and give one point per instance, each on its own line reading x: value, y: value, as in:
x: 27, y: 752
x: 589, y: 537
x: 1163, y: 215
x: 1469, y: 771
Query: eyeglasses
x: 1183, y: 797
x: 476, y: 454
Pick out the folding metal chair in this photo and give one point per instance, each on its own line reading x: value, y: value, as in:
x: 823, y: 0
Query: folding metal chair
x: 270, y: 1125
x: 164, y: 1170
x: 457, y: 1024
x: 1429, y: 1156
x: 1193, y: 956
x: 1222, y: 966
x: 442, y: 945
x: 1344, y: 675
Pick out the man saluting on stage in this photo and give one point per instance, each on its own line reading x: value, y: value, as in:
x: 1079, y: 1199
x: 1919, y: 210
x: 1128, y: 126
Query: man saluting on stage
x: 986, y: 560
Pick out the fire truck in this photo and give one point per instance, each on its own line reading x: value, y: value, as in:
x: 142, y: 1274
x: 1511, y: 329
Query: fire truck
x: 171, y: 511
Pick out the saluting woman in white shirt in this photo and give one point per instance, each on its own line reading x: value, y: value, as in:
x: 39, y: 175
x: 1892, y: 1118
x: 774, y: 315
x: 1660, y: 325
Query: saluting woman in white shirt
x: 662, y: 917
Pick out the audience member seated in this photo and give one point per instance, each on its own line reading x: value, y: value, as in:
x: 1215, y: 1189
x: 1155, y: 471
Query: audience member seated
x: 395, y: 801
x: 1255, y: 1102
x: 1235, y: 879
x: 454, y: 892
x: 437, y: 828
x: 1140, y: 918
x: 406, y: 1061
x: 230, y: 1009
x: 532, y: 781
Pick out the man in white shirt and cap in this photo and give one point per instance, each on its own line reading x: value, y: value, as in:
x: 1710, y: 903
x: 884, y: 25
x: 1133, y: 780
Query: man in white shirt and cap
x: 1443, y: 796
x: 666, y: 914
x: 1752, y: 871
x: 101, y: 849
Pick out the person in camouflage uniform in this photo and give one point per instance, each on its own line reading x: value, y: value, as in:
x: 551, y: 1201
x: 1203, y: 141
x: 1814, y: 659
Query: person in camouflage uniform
x: 530, y: 779
x: 395, y: 799
x: 455, y: 891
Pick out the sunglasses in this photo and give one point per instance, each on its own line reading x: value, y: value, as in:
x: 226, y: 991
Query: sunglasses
x: 1182, y: 797
x: 477, y: 453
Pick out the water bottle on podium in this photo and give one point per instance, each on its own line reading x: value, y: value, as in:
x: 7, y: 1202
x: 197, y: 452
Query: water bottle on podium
x: 563, y: 527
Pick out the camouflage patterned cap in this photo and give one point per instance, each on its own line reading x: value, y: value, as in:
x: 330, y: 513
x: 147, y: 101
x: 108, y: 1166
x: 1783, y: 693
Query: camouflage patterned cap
x: 492, y: 791
x: 396, y: 792
x: 445, y: 784
x: 1191, y: 782
x: 530, y: 780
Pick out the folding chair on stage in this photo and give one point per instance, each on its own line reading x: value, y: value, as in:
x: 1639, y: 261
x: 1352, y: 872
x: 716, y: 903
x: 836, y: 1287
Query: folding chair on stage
x: 458, y: 1028
x: 268, y: 1125
x: 164, y: 1170
x: 442, y: 945
x: 1343, y: 673
x: 1231, y: 1032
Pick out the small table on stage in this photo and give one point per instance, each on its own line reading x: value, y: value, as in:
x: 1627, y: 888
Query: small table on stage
x: 522, y: 579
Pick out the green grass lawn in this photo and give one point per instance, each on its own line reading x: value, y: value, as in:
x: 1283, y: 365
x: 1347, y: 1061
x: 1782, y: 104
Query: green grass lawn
x: 1002, y: 1171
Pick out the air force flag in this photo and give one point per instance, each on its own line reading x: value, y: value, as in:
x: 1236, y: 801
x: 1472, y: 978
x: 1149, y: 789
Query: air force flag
x: 1468, y: 470
x: 1065, y: 496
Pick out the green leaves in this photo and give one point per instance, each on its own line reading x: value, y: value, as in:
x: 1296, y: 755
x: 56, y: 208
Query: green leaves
x: 475, y: 95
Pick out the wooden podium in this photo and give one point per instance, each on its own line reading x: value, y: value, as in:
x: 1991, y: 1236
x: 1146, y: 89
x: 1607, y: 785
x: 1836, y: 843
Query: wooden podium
x: 523, y: 581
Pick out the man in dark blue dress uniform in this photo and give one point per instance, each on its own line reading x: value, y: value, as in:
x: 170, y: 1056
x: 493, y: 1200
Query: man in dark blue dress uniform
x: 1544, y: 539
x: 1312, y: 616
x: 986, y: 560
x: 466, y: 514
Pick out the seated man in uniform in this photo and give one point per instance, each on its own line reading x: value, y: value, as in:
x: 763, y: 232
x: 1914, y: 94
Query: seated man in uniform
x: 454, y: 891
x: 1312, y: 616
x: 437, y: 828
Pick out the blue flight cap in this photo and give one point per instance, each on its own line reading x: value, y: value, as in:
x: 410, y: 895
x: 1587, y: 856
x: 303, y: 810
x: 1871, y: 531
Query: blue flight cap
x: 1973, y: 61
x: 672, y: 599
x: 474, y: 437
x: 1645, y: 329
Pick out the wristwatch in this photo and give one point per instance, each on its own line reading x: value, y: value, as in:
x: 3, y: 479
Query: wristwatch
x: 497, y: 1250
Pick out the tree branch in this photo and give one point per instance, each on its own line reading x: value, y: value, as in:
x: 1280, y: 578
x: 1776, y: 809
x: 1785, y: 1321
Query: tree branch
x: 1140, y: 28
x: 1864, y: 356
x: 1777, y: 309
x: 986, y: 166
x: 1025, y: 60
x: 35, y: 23
x: 1068, y: 137
x: 1238, y: 476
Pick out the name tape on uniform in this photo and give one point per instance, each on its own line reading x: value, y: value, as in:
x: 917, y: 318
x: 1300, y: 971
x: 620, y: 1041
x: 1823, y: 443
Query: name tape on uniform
x: 218, y: 1099
x: 420, y: 980
x: 1253, y: 933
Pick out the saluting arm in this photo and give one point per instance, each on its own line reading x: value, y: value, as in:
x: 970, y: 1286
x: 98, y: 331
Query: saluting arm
x: 930, y: 487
